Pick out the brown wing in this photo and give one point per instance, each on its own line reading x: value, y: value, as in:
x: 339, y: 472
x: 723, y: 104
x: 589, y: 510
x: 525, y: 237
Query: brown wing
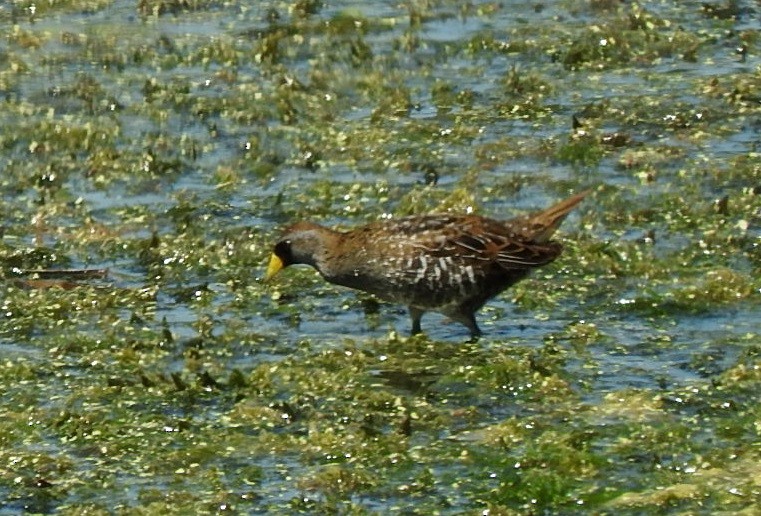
x: 479, y: 239
x: 507, y: 249
x: 519, y: 243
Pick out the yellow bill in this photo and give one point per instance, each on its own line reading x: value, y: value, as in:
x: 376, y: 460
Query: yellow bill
x: 274, y: 267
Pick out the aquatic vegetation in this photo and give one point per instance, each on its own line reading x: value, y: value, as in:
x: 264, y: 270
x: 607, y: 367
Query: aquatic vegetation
x: 152, y: 150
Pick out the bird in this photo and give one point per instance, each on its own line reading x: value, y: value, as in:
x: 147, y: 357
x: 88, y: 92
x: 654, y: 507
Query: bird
x: 447, y: 263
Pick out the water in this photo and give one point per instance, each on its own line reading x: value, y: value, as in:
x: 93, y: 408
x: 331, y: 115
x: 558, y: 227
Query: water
x: 226, y: 115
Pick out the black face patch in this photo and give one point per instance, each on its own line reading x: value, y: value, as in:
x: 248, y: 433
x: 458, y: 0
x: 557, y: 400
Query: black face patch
x: 283, y: 251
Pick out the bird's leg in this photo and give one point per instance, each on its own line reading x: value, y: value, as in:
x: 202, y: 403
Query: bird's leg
x: 475, y: 331
x: 468, y: 319
x: 416, y: 314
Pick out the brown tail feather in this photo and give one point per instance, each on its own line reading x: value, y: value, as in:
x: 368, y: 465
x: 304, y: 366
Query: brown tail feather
x: 541, y: 226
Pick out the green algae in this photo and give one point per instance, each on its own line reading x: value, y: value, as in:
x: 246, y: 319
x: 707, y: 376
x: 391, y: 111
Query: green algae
x: 169, y: 145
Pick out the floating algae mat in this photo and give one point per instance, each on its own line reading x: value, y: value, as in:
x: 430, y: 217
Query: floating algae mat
x: 152, y: 151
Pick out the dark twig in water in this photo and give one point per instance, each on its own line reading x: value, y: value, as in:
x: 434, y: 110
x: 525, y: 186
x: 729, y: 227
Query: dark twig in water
x: 65, y: 273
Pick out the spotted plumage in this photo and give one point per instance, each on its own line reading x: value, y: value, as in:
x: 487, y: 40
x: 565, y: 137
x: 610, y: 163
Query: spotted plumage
x: 445, y: 263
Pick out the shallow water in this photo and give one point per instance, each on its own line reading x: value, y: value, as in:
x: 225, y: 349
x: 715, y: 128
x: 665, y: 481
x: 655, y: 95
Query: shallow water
x: 170, y: 149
